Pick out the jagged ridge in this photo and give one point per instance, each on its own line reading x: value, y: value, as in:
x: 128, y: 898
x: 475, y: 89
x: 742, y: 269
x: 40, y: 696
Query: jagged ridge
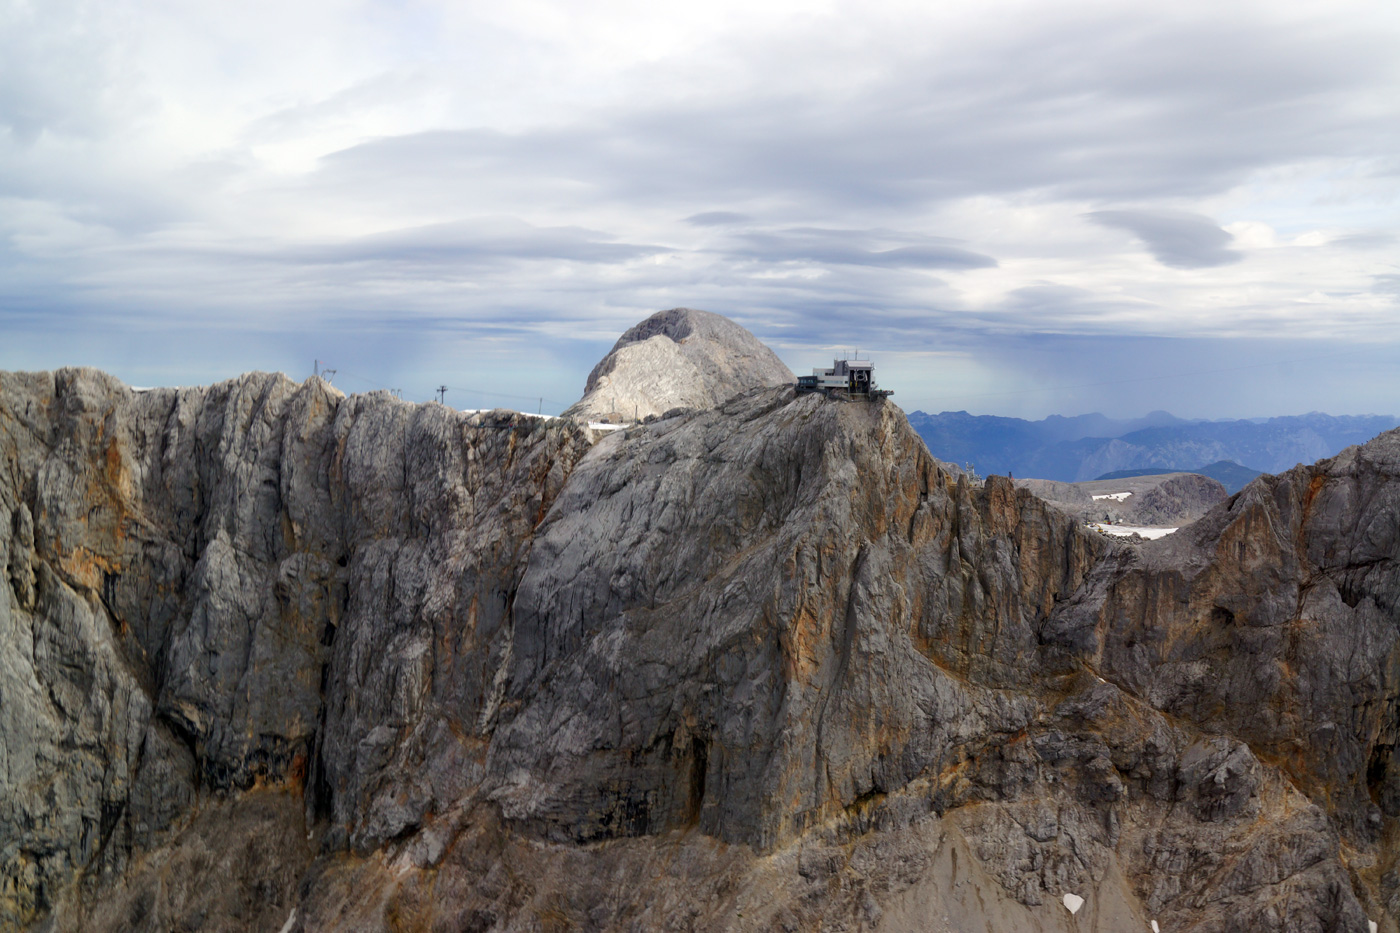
x: 466, y: 649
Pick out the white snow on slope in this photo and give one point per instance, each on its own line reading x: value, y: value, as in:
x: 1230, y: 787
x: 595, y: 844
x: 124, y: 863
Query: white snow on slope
x: 1145, y: 530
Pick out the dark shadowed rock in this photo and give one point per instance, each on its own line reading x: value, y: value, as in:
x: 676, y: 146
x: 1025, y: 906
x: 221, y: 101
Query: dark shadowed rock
x: 680, y: 358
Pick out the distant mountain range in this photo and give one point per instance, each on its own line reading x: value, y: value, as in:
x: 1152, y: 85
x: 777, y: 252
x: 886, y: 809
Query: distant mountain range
x: 1229, y: 474
x: 1087, y: 447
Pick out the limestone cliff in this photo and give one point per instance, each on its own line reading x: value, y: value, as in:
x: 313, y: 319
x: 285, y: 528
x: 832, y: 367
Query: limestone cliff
x: 274, y: 658
x: 680, y: 358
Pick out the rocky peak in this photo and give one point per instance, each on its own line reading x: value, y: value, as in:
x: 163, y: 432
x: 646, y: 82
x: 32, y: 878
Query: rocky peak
x: 272, y: 658
x: 681, y: 358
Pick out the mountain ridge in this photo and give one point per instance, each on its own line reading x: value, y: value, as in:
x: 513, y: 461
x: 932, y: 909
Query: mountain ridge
x: 762, y: 665
x: 1043, y: 450
x: 1229, y: 474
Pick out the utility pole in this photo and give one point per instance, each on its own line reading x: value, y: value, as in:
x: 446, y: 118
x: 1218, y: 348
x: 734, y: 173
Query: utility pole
x: 442, y: 394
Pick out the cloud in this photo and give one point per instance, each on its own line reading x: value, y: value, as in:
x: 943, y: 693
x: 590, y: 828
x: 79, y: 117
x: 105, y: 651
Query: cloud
x: 1061, y: 302
x: 912, y: 176
x: 849, y: 247
x: 717, y: 219
x: 1364, y: 241
x: 1122, y: 106
x: 53, y: 73
x: 477, y: 243
x: 1177, y: 238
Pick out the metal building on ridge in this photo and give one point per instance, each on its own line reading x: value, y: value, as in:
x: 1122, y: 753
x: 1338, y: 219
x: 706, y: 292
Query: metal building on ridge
x: 854, y: 378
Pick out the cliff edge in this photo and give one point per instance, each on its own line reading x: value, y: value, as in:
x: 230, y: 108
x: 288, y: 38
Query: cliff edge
x: 274, y: 658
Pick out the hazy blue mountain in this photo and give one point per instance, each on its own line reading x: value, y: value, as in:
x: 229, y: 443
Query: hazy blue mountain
x: 1228, y: 473
x: 999, y: 445
x: 1088, y: 446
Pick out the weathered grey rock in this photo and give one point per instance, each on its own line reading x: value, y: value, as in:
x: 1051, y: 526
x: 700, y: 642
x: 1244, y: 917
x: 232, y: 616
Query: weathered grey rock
x: 1160, y: 499
x: 759, y: 665
x: 235, y: 864
x: 196, y: 553
x: 1274, y: 620
x: 680, y: 358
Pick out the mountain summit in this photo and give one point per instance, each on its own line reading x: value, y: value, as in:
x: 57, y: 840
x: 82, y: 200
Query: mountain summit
x: 681, y: 358
x: 275, y: 658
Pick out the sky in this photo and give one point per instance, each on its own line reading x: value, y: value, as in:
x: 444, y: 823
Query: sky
x: 1013, y: 208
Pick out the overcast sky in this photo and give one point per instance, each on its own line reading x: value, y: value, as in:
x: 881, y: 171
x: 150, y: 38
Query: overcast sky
x: 1014, y: 208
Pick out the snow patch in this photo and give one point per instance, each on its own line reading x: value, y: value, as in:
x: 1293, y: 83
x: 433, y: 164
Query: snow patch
x: 1147, y: 531
x: 1115, y: 496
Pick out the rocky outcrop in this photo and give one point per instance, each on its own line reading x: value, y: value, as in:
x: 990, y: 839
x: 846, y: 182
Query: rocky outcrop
x: 1158, y: 499
x: 1274, y: 620
x: 680, y: 358
x: 761, y: 665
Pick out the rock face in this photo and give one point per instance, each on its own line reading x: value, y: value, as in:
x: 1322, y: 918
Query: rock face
x: 192, y: 573
x: 1274, y: 620
x: 680, y: 358
x: 273, y: 658
x: 1157, y: 499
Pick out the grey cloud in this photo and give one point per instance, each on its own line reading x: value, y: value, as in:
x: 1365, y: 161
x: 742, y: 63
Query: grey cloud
x: 1115, y: 112
x: 1052, y: 307
x: 1047, y: 298
x: 268, y: 285
x: 843, y: 247
x: 1361, y: 241
x: 929, y: 257
x: 488, y: 244
x: 1105, y: 108
x: 1178, y: 239
x: 717, y: 219
x: 53, y: 77
x: 478, y: 243
x: 840, y: 312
